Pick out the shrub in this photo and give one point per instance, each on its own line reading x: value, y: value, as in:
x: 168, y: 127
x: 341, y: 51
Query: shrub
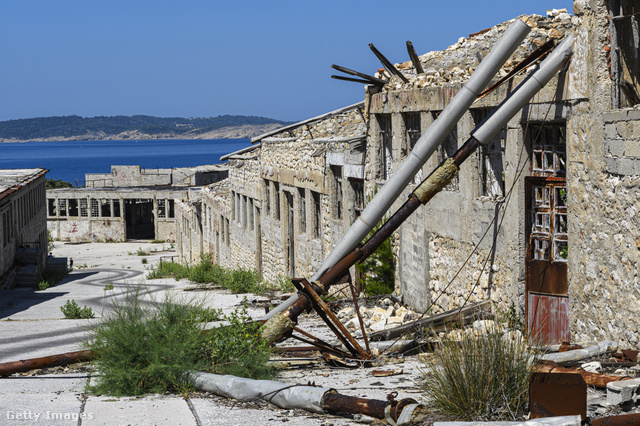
x: 71, y: 310
x: 146, y: 347
x: 378, y: 270
x: 480, y: 377
x: 50, y: 278
x: 43, y: 285
x: 144, y: 261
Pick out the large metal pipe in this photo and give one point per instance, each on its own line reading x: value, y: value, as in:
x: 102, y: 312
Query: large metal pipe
x: 434, y: 183
x: 310, y: 398
x: 424, y: 148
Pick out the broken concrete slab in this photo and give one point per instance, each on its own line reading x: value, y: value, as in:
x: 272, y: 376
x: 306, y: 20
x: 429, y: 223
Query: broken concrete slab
x: 624, y: 392
x: 149, y: 410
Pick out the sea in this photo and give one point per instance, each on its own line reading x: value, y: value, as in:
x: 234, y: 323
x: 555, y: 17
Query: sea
x: 70, y: 160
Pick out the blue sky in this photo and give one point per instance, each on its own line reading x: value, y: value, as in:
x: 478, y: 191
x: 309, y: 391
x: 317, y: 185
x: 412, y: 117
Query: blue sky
x: 197, y: 58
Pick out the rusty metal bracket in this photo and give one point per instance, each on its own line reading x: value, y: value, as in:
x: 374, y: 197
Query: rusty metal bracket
x: 323, y: 310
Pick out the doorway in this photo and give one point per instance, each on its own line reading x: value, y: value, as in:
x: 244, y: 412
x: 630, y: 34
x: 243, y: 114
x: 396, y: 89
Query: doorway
x: 139, y: 219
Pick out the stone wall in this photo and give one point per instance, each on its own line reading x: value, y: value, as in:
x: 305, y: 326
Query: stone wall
x: 622, y: 142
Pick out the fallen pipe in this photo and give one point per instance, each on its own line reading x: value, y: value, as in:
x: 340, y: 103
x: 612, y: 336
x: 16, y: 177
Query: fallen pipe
x: 310, y: 398
x: 424, y: 148
x: 283, y: 322
x: 578, y: 354
x: 13, y: 367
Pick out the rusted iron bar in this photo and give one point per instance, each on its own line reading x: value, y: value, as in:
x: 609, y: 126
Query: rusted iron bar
x: 334, y: 403
x: 323, y: 348
x: 330, y: 319
x: 387, y: 64
x: 414, y: 58
x: 370, y: 78
x: 357, y: 307
x: 355, y: 80
x: 534, y: 56
x: 321, y: 344
x: 13, y: 367
x: 591, y: 379
x: 622, y: 420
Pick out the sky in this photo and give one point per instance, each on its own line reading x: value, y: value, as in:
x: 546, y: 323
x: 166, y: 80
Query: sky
x: 204, y: 58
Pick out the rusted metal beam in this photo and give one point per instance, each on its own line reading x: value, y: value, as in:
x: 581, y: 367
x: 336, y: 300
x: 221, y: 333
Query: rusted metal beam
x: 387, y: 64
x: 13, y: 367
x: 355, y: 80
x: 534, y: 56
x: 591, y: 379
x: 415, y: 60
x: 370, y: 78
x: 622, y: 420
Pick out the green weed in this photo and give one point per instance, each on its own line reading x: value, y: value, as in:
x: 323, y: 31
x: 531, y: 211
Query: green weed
x: 72, y: 310
x: 146, y: 347
x: 483, y: 376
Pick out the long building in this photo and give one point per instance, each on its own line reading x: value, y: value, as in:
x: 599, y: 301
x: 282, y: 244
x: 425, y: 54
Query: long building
x: 542, y: 220
x: 23, y: 235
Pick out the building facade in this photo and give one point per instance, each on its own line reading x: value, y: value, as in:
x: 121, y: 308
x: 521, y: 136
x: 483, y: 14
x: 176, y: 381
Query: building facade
x: 23, y: 237
x: 542, y: 221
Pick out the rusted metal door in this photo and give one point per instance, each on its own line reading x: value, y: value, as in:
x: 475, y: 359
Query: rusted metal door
x: 547, y: 288
x: 546, y: 260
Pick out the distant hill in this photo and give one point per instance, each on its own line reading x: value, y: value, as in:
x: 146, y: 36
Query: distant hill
x: 74, y: 127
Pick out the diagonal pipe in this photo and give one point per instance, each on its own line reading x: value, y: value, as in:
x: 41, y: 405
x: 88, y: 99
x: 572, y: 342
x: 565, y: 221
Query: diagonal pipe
x: 424, y: 148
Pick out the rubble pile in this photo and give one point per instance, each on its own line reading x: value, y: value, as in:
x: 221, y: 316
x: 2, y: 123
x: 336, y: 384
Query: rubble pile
x: 388, y: 315
x: 455, y: 64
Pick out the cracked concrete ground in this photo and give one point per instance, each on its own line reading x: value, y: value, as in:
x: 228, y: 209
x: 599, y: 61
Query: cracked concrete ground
x: 32, y: 325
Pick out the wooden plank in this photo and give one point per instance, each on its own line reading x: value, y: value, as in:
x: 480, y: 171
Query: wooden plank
x: 449, y: 316
x: 387, y: 64
x: 414, y: 58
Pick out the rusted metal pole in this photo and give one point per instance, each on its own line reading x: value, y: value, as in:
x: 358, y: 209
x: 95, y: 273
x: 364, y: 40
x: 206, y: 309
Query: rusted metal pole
x: 387, y: 64
x: 414, y: 58
x: 13, y: 367
x: 591, y: 379
x: 622, y: 420
x: 370, y: 78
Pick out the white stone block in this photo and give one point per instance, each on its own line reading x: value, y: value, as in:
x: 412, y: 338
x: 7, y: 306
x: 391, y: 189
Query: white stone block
x: 622, y: 391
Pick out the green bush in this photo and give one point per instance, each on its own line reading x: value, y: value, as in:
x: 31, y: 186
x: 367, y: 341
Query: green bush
x: 482, y: 376
x: 43, y: 285
x: 49, y: 279
x: 204, y: 272
x: 146, y: 347
x: 71, y: 310
x: 378, y: 270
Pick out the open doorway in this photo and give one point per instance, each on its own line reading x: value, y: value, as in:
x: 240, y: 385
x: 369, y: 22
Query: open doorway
x: 139, y: 219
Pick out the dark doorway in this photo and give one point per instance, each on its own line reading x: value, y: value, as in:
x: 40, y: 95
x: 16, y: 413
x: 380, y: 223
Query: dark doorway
x: 139, y: 219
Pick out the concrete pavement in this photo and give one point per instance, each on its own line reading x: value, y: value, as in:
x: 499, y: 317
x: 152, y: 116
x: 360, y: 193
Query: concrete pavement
x: 32, y: 325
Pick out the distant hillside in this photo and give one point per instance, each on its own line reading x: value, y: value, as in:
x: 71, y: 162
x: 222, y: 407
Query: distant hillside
x: 74, y: 127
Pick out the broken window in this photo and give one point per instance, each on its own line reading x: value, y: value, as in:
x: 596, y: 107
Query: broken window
x: 357, y: 186
x: 95, y: 211
x: 228, y: 231
x: 73, y: 207
x: 337, y: 187
x: 548, y: 149
x: 105, y: 208
x: 267, y: 197
x: 386, y: 138
x: 84, y: 210
x: 245, y: 208
x: 413, y: 131
x: 51, y: 206
x: 303, y: 211
x: 62, y: 207
x: 162, y: 209
x: 233, y: 205
x: 276, y: 199
x: 171, y: 208
x: 116, y: 208
x: 491, y: 159
x: 251, y: 214
x: 624, y: 53
x: 447, y: 149
x: 316, y: 214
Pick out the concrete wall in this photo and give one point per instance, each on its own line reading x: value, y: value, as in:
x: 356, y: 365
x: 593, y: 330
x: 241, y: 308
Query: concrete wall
x: 603, y: 184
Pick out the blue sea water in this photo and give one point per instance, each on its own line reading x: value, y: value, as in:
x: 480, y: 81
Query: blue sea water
x: 70, y: 160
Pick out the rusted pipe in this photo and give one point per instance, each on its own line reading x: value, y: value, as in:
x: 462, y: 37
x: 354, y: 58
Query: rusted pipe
x: 591, y: 379
x: 622, y: 420
x: 13, y: 367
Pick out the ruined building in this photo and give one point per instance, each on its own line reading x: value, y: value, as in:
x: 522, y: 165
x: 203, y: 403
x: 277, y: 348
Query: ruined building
x: 23, y: 236
x: 543, y: 220
x: 126, y: 204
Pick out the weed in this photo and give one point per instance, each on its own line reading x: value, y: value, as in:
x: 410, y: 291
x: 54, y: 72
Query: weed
x: 204, y: 272
x: 157, y: 241
x: 49, y: 279
x: 71, y: 310
x: 144, y: 261
x: 146, y: 347
x: 108, y: 287
x: 480, y: 376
